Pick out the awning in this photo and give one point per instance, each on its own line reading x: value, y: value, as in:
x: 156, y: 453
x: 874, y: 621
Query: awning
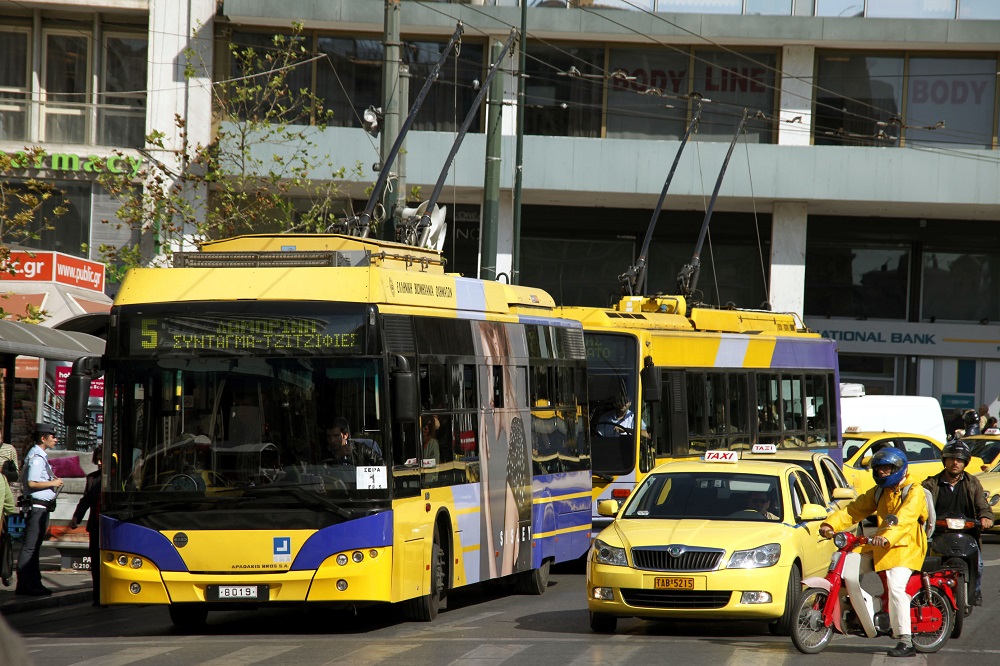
x: 59, y: 301
x: 35, y: 340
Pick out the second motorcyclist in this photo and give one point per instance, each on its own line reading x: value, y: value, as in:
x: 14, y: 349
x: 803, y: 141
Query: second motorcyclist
x: 956, y: 492
x: 897, y: 549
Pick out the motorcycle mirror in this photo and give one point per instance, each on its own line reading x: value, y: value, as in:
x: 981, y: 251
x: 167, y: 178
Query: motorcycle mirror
x: 995, y: 500
x: 891, y: 520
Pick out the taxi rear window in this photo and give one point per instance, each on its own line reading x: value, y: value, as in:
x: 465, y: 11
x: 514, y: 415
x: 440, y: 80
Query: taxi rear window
x: 716, y: 496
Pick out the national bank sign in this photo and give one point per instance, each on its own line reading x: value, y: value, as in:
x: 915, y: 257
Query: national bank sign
x: 911, y: 339
x: 56, y: 162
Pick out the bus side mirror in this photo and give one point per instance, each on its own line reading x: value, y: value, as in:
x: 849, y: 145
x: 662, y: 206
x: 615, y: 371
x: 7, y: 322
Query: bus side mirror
x: 78, y: 390
x: 652, y: 388
x: 404, y: 394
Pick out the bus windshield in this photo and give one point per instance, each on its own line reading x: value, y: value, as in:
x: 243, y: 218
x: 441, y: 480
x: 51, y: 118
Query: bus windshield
x: 264, y: 431
x: 611, y: 386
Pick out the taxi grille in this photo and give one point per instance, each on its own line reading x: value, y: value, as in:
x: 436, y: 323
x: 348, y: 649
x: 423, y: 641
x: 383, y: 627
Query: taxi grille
x: 675, y: 598
x: 689, y: 559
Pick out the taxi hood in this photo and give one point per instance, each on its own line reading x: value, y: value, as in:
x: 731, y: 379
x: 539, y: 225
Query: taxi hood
x: 729, y: 535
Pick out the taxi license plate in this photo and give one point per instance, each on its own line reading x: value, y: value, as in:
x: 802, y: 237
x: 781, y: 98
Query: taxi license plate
x: 673, y: 583
x: 237, y: 592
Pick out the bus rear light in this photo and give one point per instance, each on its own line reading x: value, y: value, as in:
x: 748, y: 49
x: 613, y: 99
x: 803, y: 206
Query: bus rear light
x: 620, y: 493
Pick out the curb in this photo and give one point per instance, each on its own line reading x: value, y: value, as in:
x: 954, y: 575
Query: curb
x: 61, y: 598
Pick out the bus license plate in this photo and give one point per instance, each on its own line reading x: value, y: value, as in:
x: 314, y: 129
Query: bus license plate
x: 673, y: 583
x: 237, y: 592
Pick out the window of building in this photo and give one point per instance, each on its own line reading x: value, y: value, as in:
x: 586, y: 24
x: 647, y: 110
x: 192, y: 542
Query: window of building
x: 734, y: 82
x: 959, y: 286
x: 67, y: 233
x: 939, y: 9
x: 121, y: 117
x: 349, y: 80
x: 66, y: 81
x: 646, y: 101
x: 851, y: 280
x: 979, y: 9
x: 14, y: 84
x: 563, y: 90
x: 256, y: 53
x: 956, y: 93
x: 854, y: 94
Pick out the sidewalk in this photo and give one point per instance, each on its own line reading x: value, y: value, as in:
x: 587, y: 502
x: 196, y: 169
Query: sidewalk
x: 68, y: 587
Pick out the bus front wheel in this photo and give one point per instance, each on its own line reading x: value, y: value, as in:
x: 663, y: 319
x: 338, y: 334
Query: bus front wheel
x: 425, y: 608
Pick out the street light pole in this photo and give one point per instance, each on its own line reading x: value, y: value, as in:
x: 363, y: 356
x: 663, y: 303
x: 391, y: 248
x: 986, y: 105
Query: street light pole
x: 515, y: 258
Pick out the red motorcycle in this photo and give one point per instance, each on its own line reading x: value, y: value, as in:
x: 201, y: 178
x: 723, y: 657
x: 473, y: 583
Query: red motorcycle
x: 837, y: 604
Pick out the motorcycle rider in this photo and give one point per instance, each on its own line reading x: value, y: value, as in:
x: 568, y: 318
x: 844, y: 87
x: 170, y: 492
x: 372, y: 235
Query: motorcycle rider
x: 954, y: 491
x: 898, y: 548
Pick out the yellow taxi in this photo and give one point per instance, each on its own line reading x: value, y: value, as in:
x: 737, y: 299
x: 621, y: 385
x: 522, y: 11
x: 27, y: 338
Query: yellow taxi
x: 824, y: 470
x: 923, y: 454
x: 991, y: 485
x: 985, y: 446
x: 714, y: 539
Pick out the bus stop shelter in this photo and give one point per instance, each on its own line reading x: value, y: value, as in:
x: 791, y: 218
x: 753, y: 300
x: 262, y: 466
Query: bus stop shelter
x: 43, y: 343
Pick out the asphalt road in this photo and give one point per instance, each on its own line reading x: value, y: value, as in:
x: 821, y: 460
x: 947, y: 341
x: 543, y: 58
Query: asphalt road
x: 479, y: 628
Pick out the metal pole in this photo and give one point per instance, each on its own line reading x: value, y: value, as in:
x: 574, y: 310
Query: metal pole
x: 515, y: 252
x: 404, y: 105
x: 491, y: 189
x: 390, y: 105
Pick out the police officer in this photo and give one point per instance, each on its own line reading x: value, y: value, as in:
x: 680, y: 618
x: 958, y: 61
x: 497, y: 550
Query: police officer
x: 41, y: 486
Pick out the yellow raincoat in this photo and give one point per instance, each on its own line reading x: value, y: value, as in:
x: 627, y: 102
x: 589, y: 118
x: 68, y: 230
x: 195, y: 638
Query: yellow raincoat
x: 907, y: 540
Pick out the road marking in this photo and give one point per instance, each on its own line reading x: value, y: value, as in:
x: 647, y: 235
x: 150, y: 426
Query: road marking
x: 758, y: 656
x: 454, y: 625
x: 487, y: 655
x: 126, y: 656
x: 250, y: 655
x: 373, y: 654
x: 609, y: 655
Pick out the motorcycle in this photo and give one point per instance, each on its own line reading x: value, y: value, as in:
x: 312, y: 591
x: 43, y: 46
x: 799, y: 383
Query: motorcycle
x: 955, y: 542
x: 836, y: 603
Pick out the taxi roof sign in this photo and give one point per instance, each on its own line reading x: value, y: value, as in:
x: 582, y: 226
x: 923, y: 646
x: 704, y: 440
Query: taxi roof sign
x: 992, y: 431
x: 721, y: 456
x: 764, y: 448
x: 852, y: 429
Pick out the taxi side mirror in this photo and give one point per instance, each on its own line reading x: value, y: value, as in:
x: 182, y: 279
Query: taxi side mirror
x: 812, y: 512
x: 607, y: 508
x: 844, y: 493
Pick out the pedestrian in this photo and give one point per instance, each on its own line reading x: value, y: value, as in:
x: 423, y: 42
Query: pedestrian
x: 42, y: 487
x: 92, y: 500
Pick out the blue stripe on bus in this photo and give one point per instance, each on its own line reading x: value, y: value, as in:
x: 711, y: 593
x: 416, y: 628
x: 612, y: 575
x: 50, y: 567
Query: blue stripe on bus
x: 795, y: 354
x: 553, y: 514
x: 373, y: 531
x: 467, y: 517
x: 142, y: 541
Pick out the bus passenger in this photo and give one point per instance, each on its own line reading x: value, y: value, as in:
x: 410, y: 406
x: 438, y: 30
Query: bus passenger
x: 346, y: 450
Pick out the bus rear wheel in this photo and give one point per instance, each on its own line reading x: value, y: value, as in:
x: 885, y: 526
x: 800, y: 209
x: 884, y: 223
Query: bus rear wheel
x: 533, y: 582
x: 188, y: 616
x: 425, y: 608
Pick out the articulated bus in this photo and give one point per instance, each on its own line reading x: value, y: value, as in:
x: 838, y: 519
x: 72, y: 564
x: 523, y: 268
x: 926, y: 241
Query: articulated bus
x: 706, y: 379
x: 234, y: 379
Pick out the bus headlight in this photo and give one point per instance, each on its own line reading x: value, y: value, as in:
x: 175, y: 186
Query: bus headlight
x: 342, y: 559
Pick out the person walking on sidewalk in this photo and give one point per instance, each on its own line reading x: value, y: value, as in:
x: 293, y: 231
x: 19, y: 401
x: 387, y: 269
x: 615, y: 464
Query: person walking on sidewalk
x: 92, y: 500
x: 42, y: 486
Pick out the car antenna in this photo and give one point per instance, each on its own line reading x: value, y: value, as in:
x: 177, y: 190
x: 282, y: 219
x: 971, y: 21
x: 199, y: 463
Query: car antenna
x: 361, y: 225
x: 633, y: 280
x: 423, y: 223
x: 687, y: 279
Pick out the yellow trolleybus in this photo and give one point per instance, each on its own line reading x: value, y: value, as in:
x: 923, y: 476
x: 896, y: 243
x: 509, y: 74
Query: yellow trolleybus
x: 668, y: 380
x: 334, y: 419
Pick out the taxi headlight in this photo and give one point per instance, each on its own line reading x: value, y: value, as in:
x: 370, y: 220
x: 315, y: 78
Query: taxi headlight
x: 756, y: 558
x: 605, y: 554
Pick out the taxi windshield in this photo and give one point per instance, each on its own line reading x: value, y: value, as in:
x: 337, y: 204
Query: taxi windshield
x: 987, y: 449
x: 716, y: 496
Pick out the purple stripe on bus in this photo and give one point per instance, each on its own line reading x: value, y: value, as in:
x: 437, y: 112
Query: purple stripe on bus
x: 795, y: 354
x: 373, y: 531
x: 142, y: 541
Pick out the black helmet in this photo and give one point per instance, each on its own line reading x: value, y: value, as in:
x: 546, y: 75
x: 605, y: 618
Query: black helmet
x: 971, y: 416
x: 957, y: 449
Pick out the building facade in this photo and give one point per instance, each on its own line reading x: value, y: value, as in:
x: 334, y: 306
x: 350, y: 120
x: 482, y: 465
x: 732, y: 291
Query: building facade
x: 864, y: 193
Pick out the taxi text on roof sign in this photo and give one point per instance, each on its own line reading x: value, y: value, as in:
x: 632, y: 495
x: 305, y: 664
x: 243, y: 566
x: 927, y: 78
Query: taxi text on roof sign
x: 721, y: 456
x: 764, y: 448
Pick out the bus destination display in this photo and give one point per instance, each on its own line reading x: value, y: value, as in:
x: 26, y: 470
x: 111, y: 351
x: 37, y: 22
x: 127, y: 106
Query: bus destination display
x: 241, y: 335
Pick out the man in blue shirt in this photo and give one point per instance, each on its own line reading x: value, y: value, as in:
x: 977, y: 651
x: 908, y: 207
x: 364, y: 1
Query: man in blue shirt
x: 41, y: 486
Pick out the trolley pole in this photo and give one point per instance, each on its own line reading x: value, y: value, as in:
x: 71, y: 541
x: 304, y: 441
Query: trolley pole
x: 488, y: 237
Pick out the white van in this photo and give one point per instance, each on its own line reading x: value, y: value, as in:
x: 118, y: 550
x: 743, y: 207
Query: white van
x: 890, y: 413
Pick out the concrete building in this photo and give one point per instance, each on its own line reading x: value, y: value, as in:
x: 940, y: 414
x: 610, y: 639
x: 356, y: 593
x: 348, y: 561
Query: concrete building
x: 864, y: 194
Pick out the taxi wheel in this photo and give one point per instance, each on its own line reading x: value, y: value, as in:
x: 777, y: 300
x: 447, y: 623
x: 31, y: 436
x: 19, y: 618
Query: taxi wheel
x: 603, y: 623
x: 783, y: 626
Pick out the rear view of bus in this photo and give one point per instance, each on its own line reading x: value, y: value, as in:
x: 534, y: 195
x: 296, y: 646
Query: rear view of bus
x: 333, y: 425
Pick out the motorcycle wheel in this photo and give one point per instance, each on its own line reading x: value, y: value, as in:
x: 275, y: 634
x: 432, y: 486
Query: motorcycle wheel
x: 809, y: 635
x: 961, y: 595
x: 933, y: 641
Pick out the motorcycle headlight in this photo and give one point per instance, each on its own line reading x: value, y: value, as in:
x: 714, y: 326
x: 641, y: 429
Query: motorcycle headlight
x: 840, y: 540
x: 756, y: 558
x: 955, y: 523
x: 605, y: 554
